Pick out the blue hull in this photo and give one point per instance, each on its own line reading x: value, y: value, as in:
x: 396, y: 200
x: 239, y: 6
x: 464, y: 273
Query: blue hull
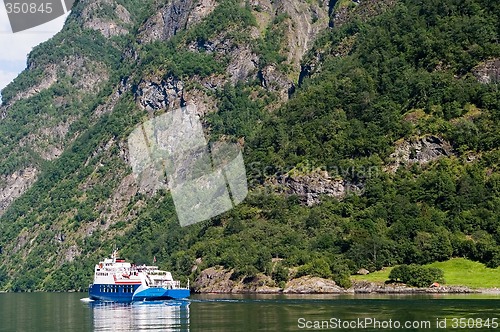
x: 130, y: 293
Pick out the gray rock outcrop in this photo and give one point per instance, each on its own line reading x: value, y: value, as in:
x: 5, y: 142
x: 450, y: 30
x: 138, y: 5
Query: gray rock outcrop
x: 488, y: 72
x: 14, y: 185
x: 366, y: 287
x: 312, y: 285
x: 159, y: 94
x: 419, y: 150
x: 276, y: 81
x: 175, y: 16
x: 310, y: 186
x: 218, y: 280
x: 109, y: 27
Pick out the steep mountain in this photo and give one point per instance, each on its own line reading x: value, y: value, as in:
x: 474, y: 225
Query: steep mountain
x: 369, y: 130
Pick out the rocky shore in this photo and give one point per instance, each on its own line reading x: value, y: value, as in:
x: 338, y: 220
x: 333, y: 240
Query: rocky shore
x: 218, y: 280
x: 366, y: 287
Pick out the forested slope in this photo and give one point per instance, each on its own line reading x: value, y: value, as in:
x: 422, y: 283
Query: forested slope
x: 380, y: 147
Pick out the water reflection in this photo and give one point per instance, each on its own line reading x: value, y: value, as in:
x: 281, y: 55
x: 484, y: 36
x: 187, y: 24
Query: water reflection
x: 141, y: 316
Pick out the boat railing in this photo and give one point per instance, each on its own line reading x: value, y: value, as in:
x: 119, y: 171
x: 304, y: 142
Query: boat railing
x: 169, y: 284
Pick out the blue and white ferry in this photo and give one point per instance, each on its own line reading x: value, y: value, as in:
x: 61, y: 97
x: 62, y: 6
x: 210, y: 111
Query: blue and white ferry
x: 116, y: 280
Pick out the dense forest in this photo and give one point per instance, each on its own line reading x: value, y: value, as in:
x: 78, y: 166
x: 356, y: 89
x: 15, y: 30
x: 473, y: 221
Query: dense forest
x: 407, y: 74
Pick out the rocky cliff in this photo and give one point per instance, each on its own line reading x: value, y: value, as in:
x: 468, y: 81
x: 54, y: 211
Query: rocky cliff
x: 287, y: 81
x: 61, y: 97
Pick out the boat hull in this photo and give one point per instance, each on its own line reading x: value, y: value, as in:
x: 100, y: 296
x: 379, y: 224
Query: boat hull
x: 131, y: 293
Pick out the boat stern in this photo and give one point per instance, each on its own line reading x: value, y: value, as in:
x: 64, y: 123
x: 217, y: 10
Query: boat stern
x: 160, y: 293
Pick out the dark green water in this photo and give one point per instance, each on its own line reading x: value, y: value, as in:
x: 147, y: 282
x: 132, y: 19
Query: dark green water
x: 66, y: 312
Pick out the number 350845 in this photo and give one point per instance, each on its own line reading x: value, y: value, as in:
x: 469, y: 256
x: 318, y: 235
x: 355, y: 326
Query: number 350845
x: 28, y: 8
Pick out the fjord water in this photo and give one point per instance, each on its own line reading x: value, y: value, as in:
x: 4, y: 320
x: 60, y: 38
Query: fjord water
x: 66, y: 312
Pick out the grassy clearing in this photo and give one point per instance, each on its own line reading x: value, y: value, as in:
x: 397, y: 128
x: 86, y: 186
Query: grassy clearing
x: 377, y: 276
x: 457, y: 272
x: 460, y: 271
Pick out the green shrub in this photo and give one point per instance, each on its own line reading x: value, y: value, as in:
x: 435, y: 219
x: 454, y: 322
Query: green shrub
x: 319, y: 267
x: 280, y: 273
x: 416, y: 275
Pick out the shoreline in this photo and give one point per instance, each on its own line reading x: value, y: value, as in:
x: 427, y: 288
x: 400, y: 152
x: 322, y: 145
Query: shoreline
x: 353, y: 291
x: 217, y: 281
x: 349, y: 291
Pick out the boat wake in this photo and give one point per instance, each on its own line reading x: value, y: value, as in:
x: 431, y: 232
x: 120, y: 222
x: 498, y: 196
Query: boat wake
x: 86, y: 300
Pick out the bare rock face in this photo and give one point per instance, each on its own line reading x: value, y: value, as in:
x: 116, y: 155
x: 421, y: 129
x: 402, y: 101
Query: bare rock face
x: 71, y: 253
x: 488, y: 72
x: 49, y: 78
x: 167, y: 22
x: 175, y: 16
x: 303, y: 21
x: 48, y: 141
x: 367, y: 287
x: 50, y: 138
x: 421, y: 150
x: 201, y: 9
x: 307, y: 20
x: 14, y: 185
x: 274, y: 80
x: 214, y: 280
x: 312, y: 285
x: 109, y: 27
x: 121, y: 197
x: 112, y: 99
x: 160, y: 94
x: 309, y: 187
x: 243, y: 64
x: 218, y: 280
x: 203, y: 103
x: 89, y: 76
